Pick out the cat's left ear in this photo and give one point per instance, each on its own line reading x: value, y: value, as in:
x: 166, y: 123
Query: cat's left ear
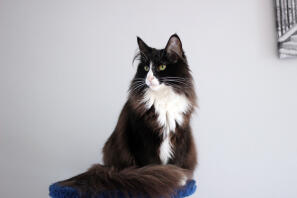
x: 174, y: 46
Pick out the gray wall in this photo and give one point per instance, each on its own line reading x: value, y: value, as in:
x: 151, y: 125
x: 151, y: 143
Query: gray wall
x: 65, y: 67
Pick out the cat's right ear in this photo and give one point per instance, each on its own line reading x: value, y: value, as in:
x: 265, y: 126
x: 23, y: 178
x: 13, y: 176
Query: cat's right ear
x: 144, y: 48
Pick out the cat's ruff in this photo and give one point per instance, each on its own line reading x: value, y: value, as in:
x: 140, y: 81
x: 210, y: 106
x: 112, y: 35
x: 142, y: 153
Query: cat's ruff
x: 170, y: 108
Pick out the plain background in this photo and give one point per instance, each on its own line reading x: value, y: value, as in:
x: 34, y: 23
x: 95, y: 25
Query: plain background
x: 65, y: 67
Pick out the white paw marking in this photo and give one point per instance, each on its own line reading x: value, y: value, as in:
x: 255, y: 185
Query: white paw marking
x: 183, y: 181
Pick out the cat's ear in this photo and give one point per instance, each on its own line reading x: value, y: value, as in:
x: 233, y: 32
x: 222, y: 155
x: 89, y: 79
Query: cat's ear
x: 174, y: 46
x: 143, y: 47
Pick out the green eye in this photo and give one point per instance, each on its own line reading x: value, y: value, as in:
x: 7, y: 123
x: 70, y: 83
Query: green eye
x: 162, y: 67
x: 146, y: 68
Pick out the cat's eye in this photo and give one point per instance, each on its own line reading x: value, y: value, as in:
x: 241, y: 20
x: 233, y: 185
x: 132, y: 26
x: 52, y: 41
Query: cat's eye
x: 146, y: 68
x: 162, y: 67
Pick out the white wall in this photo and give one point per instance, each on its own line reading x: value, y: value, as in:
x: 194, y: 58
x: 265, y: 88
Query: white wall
x: 64, y: 72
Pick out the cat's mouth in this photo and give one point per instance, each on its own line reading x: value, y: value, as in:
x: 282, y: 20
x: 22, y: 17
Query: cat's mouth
x: 156, y: 87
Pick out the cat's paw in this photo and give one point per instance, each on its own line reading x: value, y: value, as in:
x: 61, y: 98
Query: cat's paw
x: 183, y: 181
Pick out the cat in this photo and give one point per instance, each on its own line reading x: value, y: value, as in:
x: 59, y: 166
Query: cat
x: 151, y: 150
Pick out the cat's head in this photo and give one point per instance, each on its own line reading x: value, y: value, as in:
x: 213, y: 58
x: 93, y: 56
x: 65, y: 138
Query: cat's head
x: 159, y: 68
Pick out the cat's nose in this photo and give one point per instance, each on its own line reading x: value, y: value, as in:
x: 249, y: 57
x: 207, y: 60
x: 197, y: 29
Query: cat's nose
x: 150, y: 78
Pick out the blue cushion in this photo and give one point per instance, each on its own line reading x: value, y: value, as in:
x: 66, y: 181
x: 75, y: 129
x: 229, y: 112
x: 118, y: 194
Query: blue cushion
x: 57, y: 191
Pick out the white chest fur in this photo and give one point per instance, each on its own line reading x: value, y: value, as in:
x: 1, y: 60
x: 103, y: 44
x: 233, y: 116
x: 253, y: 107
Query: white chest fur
x: 170, y: 108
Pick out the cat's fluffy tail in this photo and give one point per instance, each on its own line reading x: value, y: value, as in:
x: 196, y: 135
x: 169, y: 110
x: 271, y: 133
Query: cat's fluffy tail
x: 152, y: 180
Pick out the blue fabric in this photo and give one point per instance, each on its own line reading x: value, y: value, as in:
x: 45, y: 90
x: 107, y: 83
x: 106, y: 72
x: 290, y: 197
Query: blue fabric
x: 57, y: 191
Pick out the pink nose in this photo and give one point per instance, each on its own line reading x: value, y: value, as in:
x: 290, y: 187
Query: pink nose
x: 150, y: 78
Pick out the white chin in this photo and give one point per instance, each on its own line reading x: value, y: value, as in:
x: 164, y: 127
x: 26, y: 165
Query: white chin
x: 155, y: 87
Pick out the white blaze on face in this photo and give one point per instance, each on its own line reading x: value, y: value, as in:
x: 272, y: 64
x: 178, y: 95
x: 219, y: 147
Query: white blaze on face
x: 151, y: 80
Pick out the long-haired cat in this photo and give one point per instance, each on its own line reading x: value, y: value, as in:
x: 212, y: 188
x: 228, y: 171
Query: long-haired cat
x: 151, y: 150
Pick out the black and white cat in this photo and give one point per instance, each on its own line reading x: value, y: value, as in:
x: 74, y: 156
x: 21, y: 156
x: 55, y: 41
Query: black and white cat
x: 151, y: 149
